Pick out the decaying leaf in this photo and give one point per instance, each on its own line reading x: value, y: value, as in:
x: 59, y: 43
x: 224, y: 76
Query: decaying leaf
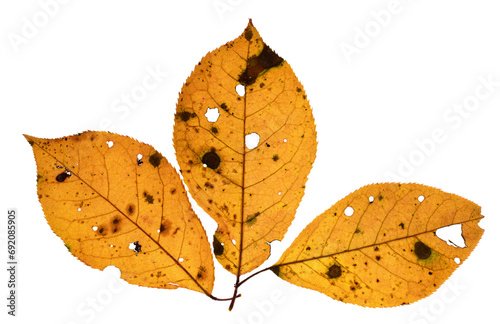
x: 245, y: 141
x: 378, y: 247
x: 116, y: 201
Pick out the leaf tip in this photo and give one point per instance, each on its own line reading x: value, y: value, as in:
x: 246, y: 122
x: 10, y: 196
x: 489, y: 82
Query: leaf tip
x: 29, y: 139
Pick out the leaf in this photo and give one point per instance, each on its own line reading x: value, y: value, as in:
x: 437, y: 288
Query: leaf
x: 387, y: 252
x: 251, y: 192
x: 116, y: 201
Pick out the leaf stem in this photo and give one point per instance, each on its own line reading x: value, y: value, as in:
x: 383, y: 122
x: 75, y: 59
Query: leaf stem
x: 253, y: 275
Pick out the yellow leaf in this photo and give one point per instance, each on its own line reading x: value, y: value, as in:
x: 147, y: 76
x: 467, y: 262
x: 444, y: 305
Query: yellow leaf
x: 116, y: 201
x: 386, y: 253
x: 245, y: 141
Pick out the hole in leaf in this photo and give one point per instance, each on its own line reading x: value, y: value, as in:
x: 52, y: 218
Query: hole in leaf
x: 110, y: 143
x: 240, y: 90
x: 212, y: 114
x: 252, y: 140
x: 457, y: 260
x: 94, y: 228
x: 135, y: 246
x: 349, y: 211
x: 139, y: 159
x: 421, y: 198
x: 370, y: 199
x: 181, y: 259
x: 452, y: 235
x: 285, y: 140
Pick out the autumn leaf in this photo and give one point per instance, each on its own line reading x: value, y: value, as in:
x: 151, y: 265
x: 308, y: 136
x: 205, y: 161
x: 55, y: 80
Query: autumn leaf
x: 245, y: 141
x: 378, y: 247
x: 116, y: 201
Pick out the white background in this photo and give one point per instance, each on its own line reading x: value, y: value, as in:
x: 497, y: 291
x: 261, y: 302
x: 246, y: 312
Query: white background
x: 370, y: 109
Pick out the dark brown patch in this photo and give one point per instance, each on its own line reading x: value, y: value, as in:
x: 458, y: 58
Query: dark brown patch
x: 378, y: 257
x: 31, y: 142
x: 139, y: 161
x: 299, y: 89
x: 275, y: 270
x: 116, y: 221
x: 155, y: 159
x: 248, y: 33
x: 422, y: 251
x: 130, y: 209
x: 148, y: 198
x: 218, y: 247
x: 137, y: 247
x: 224, y: 107
x: 165, y: 227
x: 211, y: 160
x: 275, y: 157
x: 173, y: 191
x: 258, y: 64
x: 334, y: 271
x: 184, y: 115
x: 215, y: 130
x: 63, y: 176
x: 402, y: 225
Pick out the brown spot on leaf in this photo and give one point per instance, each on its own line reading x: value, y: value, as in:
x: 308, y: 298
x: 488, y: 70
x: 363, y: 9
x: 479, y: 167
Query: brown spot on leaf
x: 155, y: 159
x: 422, y: 251
x: 63, y: 176
x: 211, y: 160
x: 334, y: 271
x: 148, y: 198
x: 248, y: 33
x: 275, y: 157
x: 137, y: 247
x: 218, y: 247
x: 215, y: 130
x: 165, y: 227
x: 130, y: 209
x: 184, y: 115
x: 258, y: 64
